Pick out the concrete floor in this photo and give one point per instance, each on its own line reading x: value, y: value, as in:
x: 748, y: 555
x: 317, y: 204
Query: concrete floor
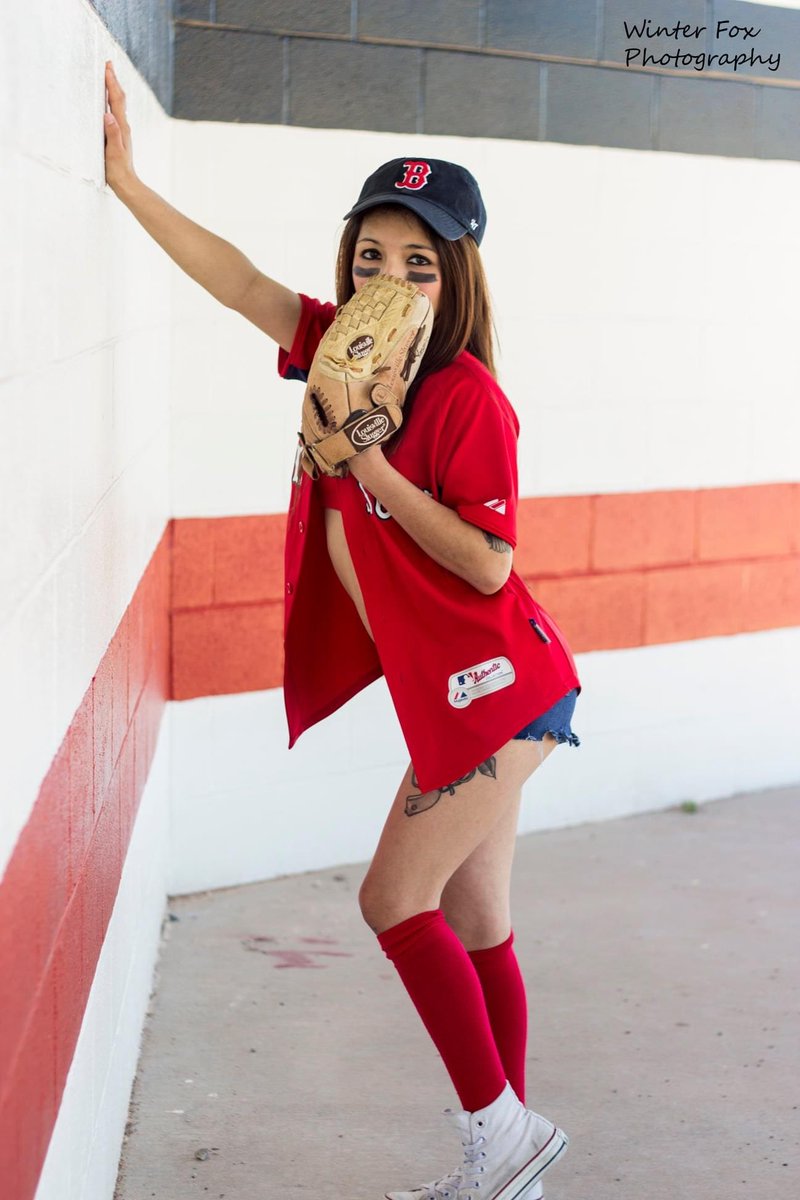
x: 283, y: 1056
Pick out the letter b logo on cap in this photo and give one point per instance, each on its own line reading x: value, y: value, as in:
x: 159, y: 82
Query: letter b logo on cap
x: 416, y: 176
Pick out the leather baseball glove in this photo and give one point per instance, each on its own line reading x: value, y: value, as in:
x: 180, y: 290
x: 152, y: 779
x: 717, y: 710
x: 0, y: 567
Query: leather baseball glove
x: 360, y: 374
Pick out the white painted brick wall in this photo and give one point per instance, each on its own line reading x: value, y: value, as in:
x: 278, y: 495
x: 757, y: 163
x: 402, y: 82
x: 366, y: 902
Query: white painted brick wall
x: 84, y: 382
x: 643, y: 303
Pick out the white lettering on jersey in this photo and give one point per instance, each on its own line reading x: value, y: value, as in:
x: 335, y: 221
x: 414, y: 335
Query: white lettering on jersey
x: 366, y: 497
x: 380, y: 510
x: 465, y: 686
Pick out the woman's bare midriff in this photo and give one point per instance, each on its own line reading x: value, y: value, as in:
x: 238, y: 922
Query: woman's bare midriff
x: 342, y: 561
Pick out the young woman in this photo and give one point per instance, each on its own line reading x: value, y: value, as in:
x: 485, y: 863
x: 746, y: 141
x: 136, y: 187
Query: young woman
x: 412, y: 551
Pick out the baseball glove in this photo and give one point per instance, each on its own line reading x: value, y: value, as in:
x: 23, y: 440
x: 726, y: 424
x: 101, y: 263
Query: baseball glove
x: 361, y: 371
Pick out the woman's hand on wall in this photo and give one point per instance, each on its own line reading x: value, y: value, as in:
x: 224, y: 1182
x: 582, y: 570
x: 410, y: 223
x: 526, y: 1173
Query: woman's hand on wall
x: 119, y: 151
x: 223, y: 270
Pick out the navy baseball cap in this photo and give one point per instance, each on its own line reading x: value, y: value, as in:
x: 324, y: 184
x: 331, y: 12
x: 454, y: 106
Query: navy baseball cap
x: 442, y: 193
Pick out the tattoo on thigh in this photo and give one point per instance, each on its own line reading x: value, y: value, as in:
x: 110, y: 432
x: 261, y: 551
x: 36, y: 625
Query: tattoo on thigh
x: 425, y: 800
x: 497, y: 543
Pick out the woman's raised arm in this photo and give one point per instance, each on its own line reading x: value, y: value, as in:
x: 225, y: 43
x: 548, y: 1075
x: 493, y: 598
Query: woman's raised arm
x: 211, y: 261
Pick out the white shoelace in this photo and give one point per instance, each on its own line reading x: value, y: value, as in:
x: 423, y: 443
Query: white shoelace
x: 446, y: 1187
x: 462, y: 1179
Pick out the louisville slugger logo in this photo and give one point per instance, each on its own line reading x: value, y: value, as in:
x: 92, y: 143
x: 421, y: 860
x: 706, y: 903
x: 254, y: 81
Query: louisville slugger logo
x: 416, y: 176
x: 370, y: 430
x: 361, y: 347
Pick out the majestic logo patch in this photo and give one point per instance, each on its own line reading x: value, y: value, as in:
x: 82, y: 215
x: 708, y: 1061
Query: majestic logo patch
x: 370, y: 430
x: 416, y: 176
x: 498, y: 506
x: 465, y: 686
x: 361, y: 347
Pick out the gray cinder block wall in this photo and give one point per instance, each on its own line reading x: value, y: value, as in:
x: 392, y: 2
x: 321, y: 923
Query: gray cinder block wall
x: 540, y: 70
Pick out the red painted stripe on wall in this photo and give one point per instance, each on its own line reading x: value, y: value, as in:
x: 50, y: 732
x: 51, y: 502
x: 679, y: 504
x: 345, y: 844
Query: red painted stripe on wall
x: 60, y: 886
x: 615, y: 570
x: 227, y: 605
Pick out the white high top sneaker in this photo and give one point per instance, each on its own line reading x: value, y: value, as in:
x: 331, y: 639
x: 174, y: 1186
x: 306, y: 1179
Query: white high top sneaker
x: 507, y: 1149
x: 507, y: 1121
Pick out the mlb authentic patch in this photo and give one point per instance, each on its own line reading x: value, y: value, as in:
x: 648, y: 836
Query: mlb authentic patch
x: 465, y: 686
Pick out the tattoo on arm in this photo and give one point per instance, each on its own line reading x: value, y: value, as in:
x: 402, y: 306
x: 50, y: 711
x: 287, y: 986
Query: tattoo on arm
x: 421, y: 802
x: 496, y: 543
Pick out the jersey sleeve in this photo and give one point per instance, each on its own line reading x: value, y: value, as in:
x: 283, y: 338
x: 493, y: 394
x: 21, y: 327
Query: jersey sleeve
x: 315, y: 317
x: 477, y: 460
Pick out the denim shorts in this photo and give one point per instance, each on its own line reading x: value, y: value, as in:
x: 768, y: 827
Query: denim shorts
x: 556, y: 721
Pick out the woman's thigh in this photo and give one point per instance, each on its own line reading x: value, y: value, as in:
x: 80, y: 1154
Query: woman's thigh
x: 476, y: 898
x: 428, y: 836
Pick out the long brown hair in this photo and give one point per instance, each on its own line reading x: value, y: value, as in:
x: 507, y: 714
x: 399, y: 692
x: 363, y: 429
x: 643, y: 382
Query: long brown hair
x: 464, y: 316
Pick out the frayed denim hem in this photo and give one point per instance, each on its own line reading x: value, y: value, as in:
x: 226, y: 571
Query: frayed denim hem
x: 559, y: 734
x: 560, y: 714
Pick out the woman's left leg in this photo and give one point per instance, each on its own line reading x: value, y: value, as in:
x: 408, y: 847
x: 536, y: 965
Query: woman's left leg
x: 426, y: 838
x: 477, y: 905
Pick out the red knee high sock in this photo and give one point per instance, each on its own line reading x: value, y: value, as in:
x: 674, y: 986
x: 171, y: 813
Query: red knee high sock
x: 507, y: 1006
x: 444, y: 986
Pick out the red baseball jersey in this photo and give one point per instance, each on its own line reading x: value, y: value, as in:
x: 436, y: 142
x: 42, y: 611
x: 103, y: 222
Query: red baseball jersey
x: 465, y: 671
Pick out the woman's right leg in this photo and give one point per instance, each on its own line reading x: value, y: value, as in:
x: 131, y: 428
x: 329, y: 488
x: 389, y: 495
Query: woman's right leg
x: 475, y: 903
x: 425, y: 840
